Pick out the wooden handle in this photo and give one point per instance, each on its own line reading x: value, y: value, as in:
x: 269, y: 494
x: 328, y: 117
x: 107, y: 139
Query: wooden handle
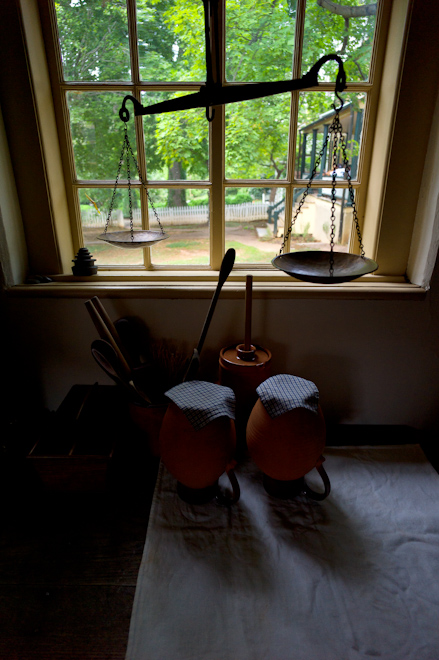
x: 248, y: 312
x: 104, y: 333
x: 111, y: 327
x: 225, y: 270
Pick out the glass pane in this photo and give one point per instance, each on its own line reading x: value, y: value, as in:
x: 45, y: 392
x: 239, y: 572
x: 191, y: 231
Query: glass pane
x: 171, y: 40
x: 98, y: 134
x: 95, y: 205
x: 93, y: 39
x: 257, y: 138
x: 259, y: 40
x: 184, y: 215
x: 312, y: 228
x: 315, y: 117
x: 349, y: 35
x: 176, y: 143
x: 254, y: 223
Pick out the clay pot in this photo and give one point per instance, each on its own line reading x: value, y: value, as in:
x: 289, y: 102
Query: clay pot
x: 286, y: 448
x: 243, y: 371
x: 197, y: 458
x: 149, y: 420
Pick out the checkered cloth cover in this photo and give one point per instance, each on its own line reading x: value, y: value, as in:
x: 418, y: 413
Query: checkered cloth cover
x: 203, y: 402
x: 282, y: 393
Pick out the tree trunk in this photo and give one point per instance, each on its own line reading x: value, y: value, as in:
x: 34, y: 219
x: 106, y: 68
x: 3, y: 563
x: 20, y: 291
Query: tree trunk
x: 176, y: 196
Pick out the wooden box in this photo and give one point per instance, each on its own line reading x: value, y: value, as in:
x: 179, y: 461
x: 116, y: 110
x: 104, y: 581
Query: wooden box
x: 76, y: 449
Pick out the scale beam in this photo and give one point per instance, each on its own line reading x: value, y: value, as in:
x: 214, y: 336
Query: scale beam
x: 214, y: 93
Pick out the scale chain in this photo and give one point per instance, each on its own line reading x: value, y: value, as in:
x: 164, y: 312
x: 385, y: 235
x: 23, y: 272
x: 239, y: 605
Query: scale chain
x: 335, y: 129
x: 110, y: 211
x: 308, y: 186
x: 127, y: 147
x: 130, y: 200
x: 144, y: 184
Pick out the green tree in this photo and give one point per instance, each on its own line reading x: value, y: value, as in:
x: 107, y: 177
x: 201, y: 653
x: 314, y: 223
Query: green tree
x: 259, y: 47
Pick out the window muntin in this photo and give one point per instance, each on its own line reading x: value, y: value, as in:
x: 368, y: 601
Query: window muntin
x: 258, y: 144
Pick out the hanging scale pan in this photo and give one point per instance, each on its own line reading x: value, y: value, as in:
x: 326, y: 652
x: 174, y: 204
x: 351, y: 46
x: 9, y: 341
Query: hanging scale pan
x: 132, y: 238
x: 327, y: 267
x: 323, y: 267
x: 137, y: 238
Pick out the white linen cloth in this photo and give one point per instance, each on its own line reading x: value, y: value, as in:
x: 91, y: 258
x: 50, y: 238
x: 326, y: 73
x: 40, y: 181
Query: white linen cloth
x: 355, y: 576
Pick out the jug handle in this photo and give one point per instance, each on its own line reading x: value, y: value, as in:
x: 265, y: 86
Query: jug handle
x: 227, y: 500
x: 327, y: 484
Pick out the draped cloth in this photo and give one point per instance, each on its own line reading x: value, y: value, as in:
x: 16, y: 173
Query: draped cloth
x: 354, y: 576
x: 203, y: 402
x: 284, y: 392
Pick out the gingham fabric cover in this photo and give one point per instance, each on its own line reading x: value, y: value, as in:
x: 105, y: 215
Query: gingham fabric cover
x: 202, y: 402
x: 283, y: 392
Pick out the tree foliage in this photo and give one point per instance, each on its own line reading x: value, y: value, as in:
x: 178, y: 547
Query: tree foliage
x: 260, y: 40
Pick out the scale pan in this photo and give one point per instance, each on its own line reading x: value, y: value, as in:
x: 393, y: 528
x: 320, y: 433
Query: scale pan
x: 314, y: 266
x: 139, y: 238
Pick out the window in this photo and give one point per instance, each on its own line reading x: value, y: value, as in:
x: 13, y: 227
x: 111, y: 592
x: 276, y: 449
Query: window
x: 236, y: 181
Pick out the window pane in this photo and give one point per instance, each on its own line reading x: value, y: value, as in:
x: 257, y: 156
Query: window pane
x: 93, y: 38
x: 171, y: 40
x: 95, y: 205
x: 312, y: 228
x: 349, y: 35
x: 315, y: 116
x: 259, y: 40
x: 184, y: 215
x: 257, y: 138
x: 254, y: 223
x: 98, y: 134
x: 176, y: 143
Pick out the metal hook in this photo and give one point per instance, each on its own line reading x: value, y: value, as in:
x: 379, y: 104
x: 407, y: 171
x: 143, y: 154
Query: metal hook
x: 341, y: 102
x: 124, y: 113
x: 210, y: 114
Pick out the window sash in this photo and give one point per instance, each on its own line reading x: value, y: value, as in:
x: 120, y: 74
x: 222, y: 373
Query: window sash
x: 217, y: 182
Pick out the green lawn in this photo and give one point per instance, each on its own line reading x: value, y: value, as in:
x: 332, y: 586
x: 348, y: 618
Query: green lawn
x: 182, y: 252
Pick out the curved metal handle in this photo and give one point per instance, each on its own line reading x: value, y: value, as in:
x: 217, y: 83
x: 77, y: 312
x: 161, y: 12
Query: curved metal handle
x: 124, y: 113
x: 312, y: 75
x: 327, y: 484
x: 227, y: 500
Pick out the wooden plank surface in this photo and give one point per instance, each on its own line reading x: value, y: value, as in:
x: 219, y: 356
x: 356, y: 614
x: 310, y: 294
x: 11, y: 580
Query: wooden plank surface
x: 69, y: 560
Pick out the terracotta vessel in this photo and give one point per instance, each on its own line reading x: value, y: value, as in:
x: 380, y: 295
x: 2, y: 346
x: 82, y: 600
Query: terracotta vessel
x: 197, y: 458
x: 149, y: 420
x: 286, y: 448
x: 243, y: 373
x: 243, y: 368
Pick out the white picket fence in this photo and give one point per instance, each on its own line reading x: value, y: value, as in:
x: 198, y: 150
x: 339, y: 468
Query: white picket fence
x: 179, y: 215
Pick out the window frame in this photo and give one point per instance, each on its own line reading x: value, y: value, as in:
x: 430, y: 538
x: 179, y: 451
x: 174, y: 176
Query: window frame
x: 382, y: 120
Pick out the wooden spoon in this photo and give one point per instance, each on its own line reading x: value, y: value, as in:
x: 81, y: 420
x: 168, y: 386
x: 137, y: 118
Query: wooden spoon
x: 225, y: 270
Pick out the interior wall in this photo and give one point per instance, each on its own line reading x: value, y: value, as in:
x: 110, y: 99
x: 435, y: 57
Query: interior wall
x: 374, y: 362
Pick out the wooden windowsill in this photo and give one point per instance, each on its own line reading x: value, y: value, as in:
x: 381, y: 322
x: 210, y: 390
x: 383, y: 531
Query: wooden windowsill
x: 196, y: 284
